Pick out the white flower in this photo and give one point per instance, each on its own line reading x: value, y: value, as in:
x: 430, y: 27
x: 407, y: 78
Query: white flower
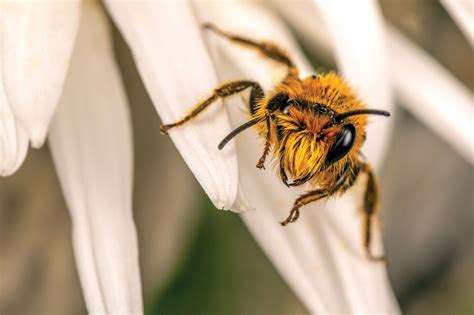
x: 90, y: 135
x: 43, y: 64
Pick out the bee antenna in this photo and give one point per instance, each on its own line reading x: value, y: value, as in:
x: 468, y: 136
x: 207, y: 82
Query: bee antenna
x: 362, y: 112
x: 238, y: 130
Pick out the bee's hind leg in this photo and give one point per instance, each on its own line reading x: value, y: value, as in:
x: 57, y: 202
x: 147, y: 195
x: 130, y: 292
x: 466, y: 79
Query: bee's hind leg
x: 369, y: 213
x: 266, y: 48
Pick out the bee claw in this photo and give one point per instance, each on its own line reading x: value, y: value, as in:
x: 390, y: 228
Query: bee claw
x: 164, y: 129
x: 294, y: 183
x: 294, y: 214
x: 260, y: 165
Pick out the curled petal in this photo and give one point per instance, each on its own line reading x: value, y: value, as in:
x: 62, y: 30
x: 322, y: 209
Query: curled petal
x: 38, y: 37
x: 320, y: 256
x: 167, y: 46
x: 90, y: 140
x: 13, y: 140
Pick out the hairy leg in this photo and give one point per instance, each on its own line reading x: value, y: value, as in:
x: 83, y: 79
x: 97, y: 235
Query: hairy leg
x: 283, y: 176
x: 369, y: 212
x: 345, y: 181
x: 304, y: 200
x: 266, y: 149
x: 222, y: 91
x: 268, y: 49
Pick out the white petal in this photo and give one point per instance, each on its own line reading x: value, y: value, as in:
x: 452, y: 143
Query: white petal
x: 320, y: 256
x: 307, y: 22
x: 173, y: 62
x: 13, y: 140
x: 358, y: 39
x: 433, y: 95
x: 37, y: 39
x: 462, y: 11
x: 90, y: 139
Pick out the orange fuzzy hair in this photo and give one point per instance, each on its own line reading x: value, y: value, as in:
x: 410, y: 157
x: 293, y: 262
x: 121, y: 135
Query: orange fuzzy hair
x: 303, y: 151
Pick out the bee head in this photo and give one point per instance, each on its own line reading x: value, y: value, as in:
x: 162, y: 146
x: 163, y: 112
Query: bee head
x: 313, y: 137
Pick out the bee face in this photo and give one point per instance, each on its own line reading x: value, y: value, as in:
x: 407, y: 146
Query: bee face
x: 309, y: 136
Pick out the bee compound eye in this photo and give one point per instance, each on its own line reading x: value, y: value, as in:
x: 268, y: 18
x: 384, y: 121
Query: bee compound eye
x: 342, y: 146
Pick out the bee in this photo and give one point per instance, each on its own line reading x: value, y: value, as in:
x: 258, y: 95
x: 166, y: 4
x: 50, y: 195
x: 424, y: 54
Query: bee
x: 314, y: 128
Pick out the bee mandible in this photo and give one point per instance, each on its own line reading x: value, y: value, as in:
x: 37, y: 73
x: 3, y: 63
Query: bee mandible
x: 314, y: 128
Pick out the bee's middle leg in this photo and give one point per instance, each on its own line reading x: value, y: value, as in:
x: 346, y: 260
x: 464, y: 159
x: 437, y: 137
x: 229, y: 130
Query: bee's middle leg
x: 222, y: 91
x: 344, y: 182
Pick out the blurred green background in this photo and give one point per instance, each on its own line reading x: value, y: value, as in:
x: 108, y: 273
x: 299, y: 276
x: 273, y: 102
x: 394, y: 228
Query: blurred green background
x: 197, y: 260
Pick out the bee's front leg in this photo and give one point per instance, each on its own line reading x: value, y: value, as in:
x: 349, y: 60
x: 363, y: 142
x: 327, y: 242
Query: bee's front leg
x: 223, y: 91
x: 266, y: 149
